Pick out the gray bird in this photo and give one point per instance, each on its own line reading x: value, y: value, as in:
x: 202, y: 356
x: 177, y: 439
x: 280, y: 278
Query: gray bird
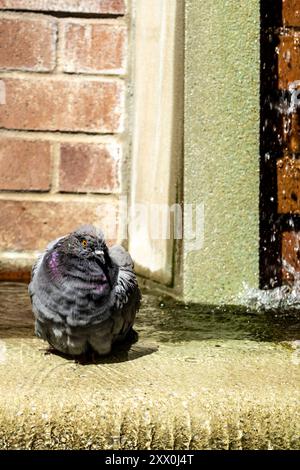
x: 84, y: 296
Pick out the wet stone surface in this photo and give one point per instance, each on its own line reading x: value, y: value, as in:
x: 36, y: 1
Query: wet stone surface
x: 168, y: 321
x: 198, y: 378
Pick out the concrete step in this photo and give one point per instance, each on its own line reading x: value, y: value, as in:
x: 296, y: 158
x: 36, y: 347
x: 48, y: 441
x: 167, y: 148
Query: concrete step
x: 206, y: 381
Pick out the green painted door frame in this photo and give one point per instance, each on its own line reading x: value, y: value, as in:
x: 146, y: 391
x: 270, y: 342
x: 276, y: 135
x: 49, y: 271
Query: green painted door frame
x: 221, y: 152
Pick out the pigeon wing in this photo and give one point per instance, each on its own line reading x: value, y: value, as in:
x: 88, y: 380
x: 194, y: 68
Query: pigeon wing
x: 38, y: 263
x: 126, y: 290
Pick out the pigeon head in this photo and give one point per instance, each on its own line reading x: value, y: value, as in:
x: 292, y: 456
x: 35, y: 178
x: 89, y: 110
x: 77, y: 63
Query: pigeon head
x: 83, y: 254
x: 86, y: 243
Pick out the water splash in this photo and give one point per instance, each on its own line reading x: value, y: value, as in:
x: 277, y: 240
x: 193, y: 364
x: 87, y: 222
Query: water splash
x: 283, y: 299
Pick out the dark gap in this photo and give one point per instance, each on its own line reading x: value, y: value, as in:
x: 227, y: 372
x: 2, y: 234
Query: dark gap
x: 177, y: 142
x: 271, y: 13
x: 270, y: 144
x: 60, y: 131
x: 61, y: 14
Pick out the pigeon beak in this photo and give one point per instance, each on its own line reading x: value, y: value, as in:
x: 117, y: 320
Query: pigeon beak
x: 100, y: 257
x: 99, y: 254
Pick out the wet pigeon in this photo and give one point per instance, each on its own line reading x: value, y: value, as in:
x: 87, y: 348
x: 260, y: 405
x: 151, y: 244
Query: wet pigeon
x: 84, y: 296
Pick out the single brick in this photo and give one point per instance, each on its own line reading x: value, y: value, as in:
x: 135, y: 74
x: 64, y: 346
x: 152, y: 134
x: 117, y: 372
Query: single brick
x: 93, y: 47
x: 288, y: 59
x: 27, y: 44
x: 290, y: 249
x: 88, y: 168
x: 31, y: 225
x: 288, y: 185
x: 291, y: 12
x: 111, y: 7
x: 292, y: 132
x: 72, y: 104
x: 12, y: 272
x: 24, y: 164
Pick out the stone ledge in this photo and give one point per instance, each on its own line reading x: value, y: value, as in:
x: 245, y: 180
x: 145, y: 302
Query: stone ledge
x: 165, y: 392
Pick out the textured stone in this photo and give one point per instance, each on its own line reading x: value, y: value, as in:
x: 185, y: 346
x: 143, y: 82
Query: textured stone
x: 167, y: 391
x: 73, y: 104
x: 27, y: 44
x: 288, y: 59
x: 24, y: 164
x: 291, y: 12
x: 221, y: 156
x: 88, y: 168
x: 288, y: 184
x: 93, y: 47
x: 111, y: 7
x: 31, y: 225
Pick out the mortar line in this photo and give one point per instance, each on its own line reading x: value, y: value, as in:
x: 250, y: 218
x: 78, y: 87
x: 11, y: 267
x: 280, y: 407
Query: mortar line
x: 28, y: 196
x: 58, y: 136
x: 55, y: 147
x: 112, y: 21
x: 66, y: 76
x: 59, y: 132
x: 57, y: 45
x: 68, y: 14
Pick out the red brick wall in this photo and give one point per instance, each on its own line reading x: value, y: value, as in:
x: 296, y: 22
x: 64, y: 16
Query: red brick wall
x: 63, y: 117
x: 280, y: 141
x: 288, y: 167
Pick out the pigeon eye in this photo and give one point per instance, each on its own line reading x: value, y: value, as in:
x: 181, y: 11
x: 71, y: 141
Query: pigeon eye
x: 84, y: 243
